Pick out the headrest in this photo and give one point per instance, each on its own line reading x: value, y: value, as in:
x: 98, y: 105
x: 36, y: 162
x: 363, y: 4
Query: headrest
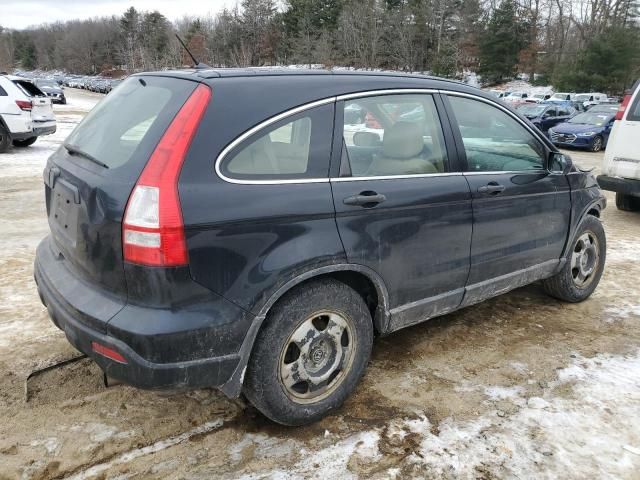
x: 366, y: 139
x: 403, y: 140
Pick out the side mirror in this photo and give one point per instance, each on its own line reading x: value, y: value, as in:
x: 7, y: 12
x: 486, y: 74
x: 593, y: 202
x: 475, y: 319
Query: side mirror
x: 559, y: 163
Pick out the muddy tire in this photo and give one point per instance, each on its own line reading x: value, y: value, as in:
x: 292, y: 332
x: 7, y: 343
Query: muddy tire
x: 310, y: 354
x: 5, y: 139
x: 24, y: 143
x: 628, y: 203
x: 585, y: 263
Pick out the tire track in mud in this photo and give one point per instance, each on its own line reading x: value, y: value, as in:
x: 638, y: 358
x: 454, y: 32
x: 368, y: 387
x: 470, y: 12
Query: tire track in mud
x: 88, y: 471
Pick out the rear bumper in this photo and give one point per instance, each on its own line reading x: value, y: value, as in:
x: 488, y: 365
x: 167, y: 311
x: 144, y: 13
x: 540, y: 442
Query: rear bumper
x: 37, y: 131
x: 82, y: 329
x: 625, y: 186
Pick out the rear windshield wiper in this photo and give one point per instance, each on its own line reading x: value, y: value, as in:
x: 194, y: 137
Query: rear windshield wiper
x: 73, y: 150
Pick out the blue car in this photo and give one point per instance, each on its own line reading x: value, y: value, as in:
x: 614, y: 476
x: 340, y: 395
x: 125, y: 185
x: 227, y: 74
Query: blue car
x: 588, y: 130
x: 545, y: 116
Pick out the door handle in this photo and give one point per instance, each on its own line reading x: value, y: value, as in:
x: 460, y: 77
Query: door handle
x: 492, y: 188
x: 365, y: 199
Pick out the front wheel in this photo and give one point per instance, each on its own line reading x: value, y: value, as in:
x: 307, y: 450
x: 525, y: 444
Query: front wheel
x: 596, y: 146
x: 25, y: 143
x: 584, y: 266
x: 311, y: 353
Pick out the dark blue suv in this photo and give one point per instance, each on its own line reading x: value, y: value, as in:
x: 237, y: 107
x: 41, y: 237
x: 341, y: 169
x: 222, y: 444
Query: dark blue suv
x: 228, y: 228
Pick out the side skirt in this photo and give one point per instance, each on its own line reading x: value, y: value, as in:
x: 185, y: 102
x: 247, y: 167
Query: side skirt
x: 422, y: 310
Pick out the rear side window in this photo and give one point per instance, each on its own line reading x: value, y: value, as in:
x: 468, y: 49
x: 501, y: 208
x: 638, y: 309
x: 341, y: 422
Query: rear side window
x: 297, y: 147
x: 130, y: 120
x: 3, y: 92
x: 392, y: 135
x: 493, y: 140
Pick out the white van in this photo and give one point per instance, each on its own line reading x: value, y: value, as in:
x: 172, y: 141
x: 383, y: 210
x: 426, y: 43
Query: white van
x: 590, y: 99
x: 621, y: 168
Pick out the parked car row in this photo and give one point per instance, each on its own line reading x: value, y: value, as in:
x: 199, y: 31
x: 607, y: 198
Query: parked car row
x: 567, y: 127
x: 93, y: 84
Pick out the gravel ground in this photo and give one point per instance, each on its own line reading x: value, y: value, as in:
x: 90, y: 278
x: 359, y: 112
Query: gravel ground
x: 521, y: 386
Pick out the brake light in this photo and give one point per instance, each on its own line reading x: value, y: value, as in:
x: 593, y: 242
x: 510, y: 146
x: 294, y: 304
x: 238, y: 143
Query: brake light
x: 623, y: 106
x: 24, y: 105
x: 153, y: 229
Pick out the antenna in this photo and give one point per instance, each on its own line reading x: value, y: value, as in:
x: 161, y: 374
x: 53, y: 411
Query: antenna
x: 196, y: 63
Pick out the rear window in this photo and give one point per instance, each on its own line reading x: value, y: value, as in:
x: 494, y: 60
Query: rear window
x: 124, y: 128
x: 28, y: 88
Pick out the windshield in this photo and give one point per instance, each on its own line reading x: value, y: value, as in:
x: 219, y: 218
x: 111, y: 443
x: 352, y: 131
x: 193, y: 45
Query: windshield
x: 515, y: 94
x: 135, y: 115
x: 591, y: 118
x: 604, y: 108
x: 530, y: 110
x: 559, y: 96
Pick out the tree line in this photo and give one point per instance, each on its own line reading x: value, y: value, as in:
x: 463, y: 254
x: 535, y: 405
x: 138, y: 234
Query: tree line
x: 573, y: 44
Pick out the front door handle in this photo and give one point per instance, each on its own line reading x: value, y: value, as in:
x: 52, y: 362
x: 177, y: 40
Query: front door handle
x: 365, y: 199
x: 492, y: 188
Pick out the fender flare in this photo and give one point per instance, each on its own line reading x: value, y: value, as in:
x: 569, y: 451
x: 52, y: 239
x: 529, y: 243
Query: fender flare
x: 232, y: 387
x: 599, y: 204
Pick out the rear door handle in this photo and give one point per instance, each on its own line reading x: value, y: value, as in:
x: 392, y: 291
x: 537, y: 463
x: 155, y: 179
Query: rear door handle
x: 365, y: 199
x: 492, y: 188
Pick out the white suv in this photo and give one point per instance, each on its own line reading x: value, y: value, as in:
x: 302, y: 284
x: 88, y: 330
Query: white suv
x: 25, y: 113
x: 621, y: 168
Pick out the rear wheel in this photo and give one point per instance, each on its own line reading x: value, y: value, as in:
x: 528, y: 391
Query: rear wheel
x: 627, y: 203
x: 585, y: 263
x: 311, y: 353
x: 5, y: 139
x: 25, y: 143
x: 596, y: 146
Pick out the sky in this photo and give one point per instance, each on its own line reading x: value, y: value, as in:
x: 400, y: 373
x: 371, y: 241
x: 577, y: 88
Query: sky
x: 20, y: 14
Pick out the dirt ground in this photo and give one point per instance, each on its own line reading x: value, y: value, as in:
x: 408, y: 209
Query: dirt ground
x: 521, y: 386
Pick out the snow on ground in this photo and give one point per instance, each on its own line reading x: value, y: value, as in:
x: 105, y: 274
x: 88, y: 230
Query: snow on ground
x: 587, y: 426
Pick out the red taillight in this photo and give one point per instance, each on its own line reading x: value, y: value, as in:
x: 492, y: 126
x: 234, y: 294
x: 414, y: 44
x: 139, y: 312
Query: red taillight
x: 623, y: 106
x: 24, y: 105
x: 108, y: 352
x: 153, y: 230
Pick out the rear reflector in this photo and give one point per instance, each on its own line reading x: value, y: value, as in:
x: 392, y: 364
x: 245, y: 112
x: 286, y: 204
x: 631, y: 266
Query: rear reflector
x: 153, y: 229
x: 24, y: 105
x: 108, y: 352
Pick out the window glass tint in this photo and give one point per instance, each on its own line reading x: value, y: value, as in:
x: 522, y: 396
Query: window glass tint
x: 3, y: 92
x: 295, y: 148
x: 393, y: 135
x: 493, y: 140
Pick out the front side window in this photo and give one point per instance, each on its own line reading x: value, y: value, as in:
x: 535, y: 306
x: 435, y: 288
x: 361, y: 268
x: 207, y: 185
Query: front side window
x: 493, y: 140
x: 295, y: 148
x: 391, y: 135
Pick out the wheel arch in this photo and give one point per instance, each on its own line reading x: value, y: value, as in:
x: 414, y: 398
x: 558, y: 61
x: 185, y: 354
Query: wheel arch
x: 362, y: 279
